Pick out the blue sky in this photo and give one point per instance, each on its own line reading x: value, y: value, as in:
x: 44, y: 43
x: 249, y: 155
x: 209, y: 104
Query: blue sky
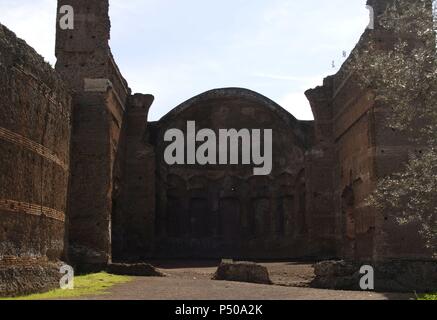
x: 175, y: 49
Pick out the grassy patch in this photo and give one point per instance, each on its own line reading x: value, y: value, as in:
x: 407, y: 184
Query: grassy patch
x: 85, y: 285
x: 429, y: 297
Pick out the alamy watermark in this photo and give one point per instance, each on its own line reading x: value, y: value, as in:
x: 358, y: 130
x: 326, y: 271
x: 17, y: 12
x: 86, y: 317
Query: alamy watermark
x: 66, y: 22
x: 367, y: 281
x: 205, y: 148
x: 67, y: 280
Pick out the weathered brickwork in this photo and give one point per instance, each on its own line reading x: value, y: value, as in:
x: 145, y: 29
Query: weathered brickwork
x: 219, y: 211
x: 35, y: 115
x: 100, y: 94
x: 364, y: 150
x: 133, y: 219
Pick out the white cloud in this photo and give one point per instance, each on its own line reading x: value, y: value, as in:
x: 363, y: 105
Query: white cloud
x: 297, y: 104
x: 34, y: 22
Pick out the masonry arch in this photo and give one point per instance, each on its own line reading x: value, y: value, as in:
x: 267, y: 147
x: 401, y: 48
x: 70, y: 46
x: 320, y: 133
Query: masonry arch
x: 229, y: 212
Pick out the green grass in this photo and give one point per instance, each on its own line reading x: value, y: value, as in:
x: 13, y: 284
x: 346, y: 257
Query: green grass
x: 429, y: 297
x: 84, y: 285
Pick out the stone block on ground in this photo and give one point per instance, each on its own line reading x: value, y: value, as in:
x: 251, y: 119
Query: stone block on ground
x: 390, y: 276
x: 242, y: 272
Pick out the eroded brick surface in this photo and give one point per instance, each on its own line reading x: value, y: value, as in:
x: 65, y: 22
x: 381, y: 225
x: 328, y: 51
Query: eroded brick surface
x: 35, y: 115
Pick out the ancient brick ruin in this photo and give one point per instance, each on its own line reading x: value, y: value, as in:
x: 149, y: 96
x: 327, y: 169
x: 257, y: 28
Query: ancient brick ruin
x: 35, y: 112
x: 79, y: 159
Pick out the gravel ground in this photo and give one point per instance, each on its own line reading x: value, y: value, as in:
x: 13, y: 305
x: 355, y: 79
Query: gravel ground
x: 191, y: 281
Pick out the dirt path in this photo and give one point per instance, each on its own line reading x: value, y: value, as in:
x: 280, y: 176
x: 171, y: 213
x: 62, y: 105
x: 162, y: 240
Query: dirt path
x: 181, y: 289
x: 191, y: 281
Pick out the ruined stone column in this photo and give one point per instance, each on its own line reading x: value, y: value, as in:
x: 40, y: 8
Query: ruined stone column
x: 320, y: 171
x: 99, y: 96
x: 134, y: 203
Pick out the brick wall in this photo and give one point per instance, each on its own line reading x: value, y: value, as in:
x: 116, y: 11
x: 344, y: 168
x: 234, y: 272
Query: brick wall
x: 35, y: 113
